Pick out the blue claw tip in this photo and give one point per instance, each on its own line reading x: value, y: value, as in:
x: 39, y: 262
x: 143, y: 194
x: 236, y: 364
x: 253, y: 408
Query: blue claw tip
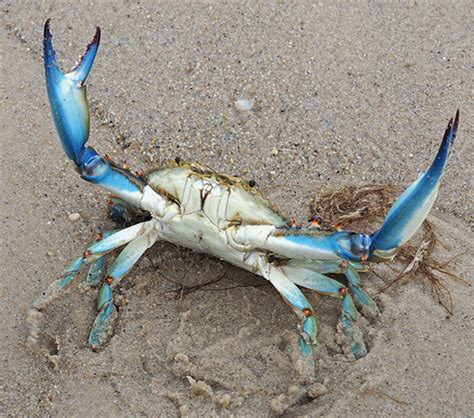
x: 436, y: 169
x: 81, y: 70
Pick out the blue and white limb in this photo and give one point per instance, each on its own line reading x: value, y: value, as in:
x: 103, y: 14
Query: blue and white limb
x: 412, y: 207
x: 70, y: 275
x: 143, y: 238
x: 57, y: 288
x: 137, y: 239
x: 349, y: 269
x: 330, y: 287
x: 70, y: 110
x: 300, y: 305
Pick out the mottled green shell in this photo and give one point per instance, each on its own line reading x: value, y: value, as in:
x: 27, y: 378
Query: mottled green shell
x: 245, y: 204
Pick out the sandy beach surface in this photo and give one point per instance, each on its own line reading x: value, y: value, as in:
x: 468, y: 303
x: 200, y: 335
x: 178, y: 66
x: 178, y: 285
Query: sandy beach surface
x: 342, y: 94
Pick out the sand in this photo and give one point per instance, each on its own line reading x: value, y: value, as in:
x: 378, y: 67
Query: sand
x: 341, y: 94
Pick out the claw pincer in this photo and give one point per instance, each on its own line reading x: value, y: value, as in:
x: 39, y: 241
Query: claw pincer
x: 67, y: 96
x: 191, y: 205
x: 412, y: 207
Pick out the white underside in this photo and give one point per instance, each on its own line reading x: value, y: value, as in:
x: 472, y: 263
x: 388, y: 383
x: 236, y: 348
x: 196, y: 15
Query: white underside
x: 204, y: 230
x: 224, y: 221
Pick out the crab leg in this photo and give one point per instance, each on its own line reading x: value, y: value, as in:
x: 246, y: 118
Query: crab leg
x: 67, y: 279
x: 58, y: 287
x: 70, y: 110
x: 107, y: 315
x: 364, y: 303
x: 96, y: 272
x: 413, y: 206
x: 309, y: 244
x: 138, y: 238
x: 116, y: 240
x: 326, y: 286
x: 302, y: 308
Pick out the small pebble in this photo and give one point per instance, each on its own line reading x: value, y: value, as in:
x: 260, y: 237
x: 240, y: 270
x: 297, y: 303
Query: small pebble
x: 225, y: 400
x: 274, y: 152
x: 73, y: 217
x: 317, y: 390
x: 184, y: 411
x: 293, y: 389
x: 199, y: 387
x: 50, y: 254
x: 243, y: 104
x: 279, y: 404
x: 181, y: 358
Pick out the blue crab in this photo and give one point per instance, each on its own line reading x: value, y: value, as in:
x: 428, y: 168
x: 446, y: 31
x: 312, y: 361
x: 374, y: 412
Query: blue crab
x: 193, y: 206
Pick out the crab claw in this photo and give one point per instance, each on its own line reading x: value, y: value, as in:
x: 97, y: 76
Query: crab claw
x: 67, y: 96
x: 412, y: 207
